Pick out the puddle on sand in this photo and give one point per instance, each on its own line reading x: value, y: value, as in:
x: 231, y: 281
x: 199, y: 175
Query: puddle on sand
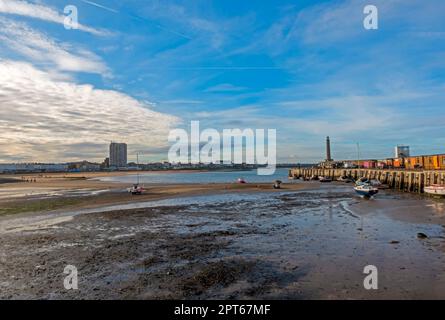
x: 46, y: 193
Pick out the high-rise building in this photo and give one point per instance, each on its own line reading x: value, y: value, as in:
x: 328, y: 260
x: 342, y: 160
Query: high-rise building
x: 328, y: 149
x: 118, y: 154
x: 401, y: 152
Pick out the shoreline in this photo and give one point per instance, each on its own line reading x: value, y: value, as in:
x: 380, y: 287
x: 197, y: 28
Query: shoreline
x: 48, y: 192
x: 46, y: 196
x: 77, y: 191
x: 97, y: 174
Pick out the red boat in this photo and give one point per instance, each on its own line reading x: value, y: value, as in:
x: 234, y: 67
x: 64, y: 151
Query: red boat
x: 136, y: 189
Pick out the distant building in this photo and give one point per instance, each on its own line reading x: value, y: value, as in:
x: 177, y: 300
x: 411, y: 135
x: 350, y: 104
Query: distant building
x: 106, y: 163
x: 118, y: 154
x: 328, y: 162
x: 401, y: 152
x: 83, y: 166
x: 33, y: 167
x: 328, y: 149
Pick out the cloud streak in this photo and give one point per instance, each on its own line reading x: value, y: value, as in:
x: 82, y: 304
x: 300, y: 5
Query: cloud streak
x: 41, y: 12
x: 95, y: 4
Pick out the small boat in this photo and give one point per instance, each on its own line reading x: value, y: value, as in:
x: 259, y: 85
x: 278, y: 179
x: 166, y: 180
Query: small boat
x: 313, y: 178
x: 435, y: 189
x: 324, y: 179
x: 362, y: 181
x: 376, y: 183
x: 136, y: 189
x: 241, y: 180
x: 277, y: 184
x: 345, y: 179
x: 366, y: 190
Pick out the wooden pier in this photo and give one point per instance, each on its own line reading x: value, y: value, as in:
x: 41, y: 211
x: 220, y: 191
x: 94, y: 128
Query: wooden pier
x: 403, y: 180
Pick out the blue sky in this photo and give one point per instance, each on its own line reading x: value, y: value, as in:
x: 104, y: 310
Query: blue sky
x: 306, y: 68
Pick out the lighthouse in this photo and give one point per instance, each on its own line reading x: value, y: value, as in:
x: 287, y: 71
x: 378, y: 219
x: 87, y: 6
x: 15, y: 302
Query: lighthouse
x: 328, y: 149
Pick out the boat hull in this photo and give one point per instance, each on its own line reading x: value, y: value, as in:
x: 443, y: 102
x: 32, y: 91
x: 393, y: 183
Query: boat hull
x: 366, y: 193
x: 435, y: 190
x: 136, y: 190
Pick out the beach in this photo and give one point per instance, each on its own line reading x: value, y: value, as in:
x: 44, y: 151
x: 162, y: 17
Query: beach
x: 216, y: 241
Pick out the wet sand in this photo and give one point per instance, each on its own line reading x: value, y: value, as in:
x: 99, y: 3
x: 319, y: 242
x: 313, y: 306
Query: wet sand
x: 296, y: 244
x: 87, y: 184
x: 22, y: 201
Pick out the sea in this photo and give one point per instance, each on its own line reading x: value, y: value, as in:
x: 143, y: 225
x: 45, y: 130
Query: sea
x: 194, y: 177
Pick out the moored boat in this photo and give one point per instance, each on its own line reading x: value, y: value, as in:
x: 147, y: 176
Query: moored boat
x: 435, y: 189
x: 136, y: 189
x: 375, y: 183
x: 366, y: 190
x: 277, y: 184
x: 362, y: 181
x: 324, y: 179
x: 345, y: 179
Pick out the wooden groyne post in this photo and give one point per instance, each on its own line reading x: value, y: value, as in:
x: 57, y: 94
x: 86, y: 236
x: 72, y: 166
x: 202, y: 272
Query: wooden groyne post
x: 403, y: 180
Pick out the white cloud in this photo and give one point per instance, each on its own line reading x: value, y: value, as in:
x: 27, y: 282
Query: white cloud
x: 100, y: 6
x: 42, y: 119
x: 41, y: 12
x: 39, y: 48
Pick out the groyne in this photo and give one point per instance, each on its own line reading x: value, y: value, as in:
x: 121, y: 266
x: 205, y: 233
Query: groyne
x: 403, y: 180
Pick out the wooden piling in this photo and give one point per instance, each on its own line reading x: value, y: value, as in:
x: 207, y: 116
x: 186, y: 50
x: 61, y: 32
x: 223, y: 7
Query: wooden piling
x: 403, y: 180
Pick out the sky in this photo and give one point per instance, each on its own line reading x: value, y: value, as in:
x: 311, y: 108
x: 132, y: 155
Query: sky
x: 134, y: 70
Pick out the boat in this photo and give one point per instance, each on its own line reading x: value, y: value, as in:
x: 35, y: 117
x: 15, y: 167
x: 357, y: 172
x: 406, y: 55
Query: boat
x: 324, y: 179
x: 241, y: 180
x: 345, y: 179
x: 313, y: 178
x: 136, y: 189
x: 277, y: 184
x: 435, y: 189
x: 366, y: 190
x: 376, y: 183
x: 362, y: 181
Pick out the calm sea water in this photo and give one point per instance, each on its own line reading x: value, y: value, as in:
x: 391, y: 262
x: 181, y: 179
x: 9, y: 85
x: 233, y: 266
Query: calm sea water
x: 200, y: 177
